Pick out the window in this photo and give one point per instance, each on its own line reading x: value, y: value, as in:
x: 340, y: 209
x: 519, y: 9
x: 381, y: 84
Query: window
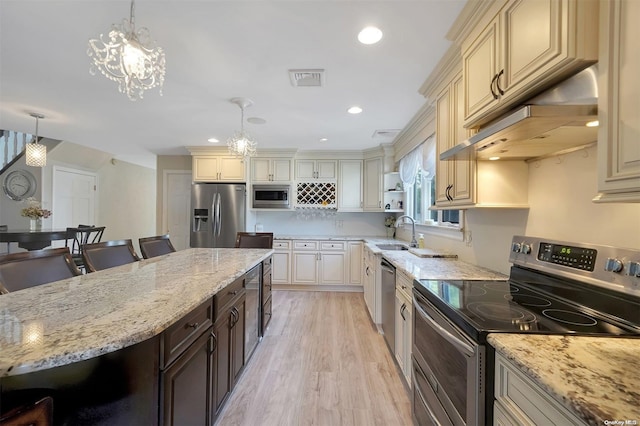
x: 422, y: 194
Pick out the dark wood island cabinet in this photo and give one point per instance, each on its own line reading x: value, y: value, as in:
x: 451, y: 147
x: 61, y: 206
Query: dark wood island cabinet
x: 126, y: 363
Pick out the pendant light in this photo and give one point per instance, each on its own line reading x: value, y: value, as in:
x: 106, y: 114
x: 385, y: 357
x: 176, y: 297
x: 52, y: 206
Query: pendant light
x: 241, y: 144
x: 36, y: 153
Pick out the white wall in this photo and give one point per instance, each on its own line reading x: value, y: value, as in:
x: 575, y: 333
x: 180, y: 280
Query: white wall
x: 127, y: 200
x: 344, y: 224
x: 560, y: 193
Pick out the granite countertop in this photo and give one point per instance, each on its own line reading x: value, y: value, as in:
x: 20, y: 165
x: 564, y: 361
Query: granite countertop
x: 90, y: 315
x: 596, y: 378
x: 439, y: 268
x: 435, y: 267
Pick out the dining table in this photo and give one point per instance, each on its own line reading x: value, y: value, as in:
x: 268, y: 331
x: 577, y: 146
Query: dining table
x: 33, y: 239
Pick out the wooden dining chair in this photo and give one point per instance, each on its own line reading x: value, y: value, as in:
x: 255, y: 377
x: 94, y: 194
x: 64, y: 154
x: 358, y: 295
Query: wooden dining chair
x: 155, y: 246
x: 108, y: 254
x: 80, y: 236
x: 254, y: 240
x: 31, y: 268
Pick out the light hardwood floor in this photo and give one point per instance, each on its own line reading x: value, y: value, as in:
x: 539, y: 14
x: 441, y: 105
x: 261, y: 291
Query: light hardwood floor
x: 321, y: 362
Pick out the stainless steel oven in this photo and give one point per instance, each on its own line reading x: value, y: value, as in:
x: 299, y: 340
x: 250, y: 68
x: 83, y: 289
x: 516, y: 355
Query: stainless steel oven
x: 553, y: 288
x: 447, y: 369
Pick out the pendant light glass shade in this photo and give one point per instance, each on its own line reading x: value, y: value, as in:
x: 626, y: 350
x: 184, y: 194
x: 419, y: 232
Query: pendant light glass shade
x: 128, y: 57
x: 241, y: 144
x: 36, y: 153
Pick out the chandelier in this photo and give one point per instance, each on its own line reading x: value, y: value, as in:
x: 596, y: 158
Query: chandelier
x: 36, y: 153
x: 129, y: 57
x: 241, y: 144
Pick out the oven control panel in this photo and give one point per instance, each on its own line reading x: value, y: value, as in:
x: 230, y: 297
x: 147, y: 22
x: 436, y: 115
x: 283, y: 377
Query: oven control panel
x: 607, y: 266
x: 571, y: 256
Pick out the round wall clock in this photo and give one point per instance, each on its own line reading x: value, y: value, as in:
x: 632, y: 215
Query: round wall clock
x: 19, y: 184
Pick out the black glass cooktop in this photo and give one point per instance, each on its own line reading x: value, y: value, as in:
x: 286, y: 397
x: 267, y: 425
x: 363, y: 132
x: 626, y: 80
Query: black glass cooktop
x: 532, y: 303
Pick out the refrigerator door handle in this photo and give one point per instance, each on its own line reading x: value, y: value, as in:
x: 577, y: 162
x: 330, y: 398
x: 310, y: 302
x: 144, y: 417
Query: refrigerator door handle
x: 218, y: 215
x: 214, y: 214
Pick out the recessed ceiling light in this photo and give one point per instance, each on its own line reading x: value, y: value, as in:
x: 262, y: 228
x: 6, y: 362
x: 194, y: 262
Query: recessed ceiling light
x: 369, y: 35
x: 213, y: 140
x: 323, y: 139
x: 256, y: 120
x: 594, y: 123
x: 494, y: 158
x: 354, y: 110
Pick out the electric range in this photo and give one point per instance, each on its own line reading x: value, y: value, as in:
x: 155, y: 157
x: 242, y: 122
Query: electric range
x: 554, y: 287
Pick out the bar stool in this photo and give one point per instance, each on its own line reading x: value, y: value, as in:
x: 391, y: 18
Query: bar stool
x: 32, y: 268
x: 108, y: 254
x: 254, y: 240
x: 155, y: 246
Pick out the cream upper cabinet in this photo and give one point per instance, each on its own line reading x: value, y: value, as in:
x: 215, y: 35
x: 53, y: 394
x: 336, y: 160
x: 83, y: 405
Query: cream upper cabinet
x: 528, y: 46
x: 213, y: 168
x: 271, y: 169
x: 619, y: 103
x: 373, y: 168
x: 316, y: 169
x: 454, y: 178
x: 350, y: 186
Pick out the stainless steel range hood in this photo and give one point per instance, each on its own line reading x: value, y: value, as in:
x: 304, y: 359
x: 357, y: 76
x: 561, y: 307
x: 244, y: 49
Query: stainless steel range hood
x: 551, y: 123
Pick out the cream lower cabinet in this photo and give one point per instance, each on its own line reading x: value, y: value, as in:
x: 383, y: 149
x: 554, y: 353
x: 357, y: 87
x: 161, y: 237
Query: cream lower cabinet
x: 281, y: 262
x: 354, y: 262
x: 320, y: 262
x: 619, y: 103
x: 520, y: 401
x: 404, y: 323
x: 372, y: 281
x: 504, y: 63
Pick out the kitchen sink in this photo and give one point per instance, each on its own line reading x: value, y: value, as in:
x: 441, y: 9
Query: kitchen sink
x: 392, y: 247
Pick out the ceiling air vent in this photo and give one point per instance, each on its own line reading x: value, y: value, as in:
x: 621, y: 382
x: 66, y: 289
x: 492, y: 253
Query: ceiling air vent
x: 307, y: 78
x: 385, y: 133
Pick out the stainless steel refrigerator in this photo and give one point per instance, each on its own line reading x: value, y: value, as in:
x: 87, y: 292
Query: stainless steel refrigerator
x: 217, y: 213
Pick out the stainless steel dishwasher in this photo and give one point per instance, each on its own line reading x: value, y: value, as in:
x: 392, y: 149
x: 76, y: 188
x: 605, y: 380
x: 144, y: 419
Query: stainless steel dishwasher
x: 389, y: 303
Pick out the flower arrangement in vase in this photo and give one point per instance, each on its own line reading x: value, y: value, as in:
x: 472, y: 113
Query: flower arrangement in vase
x: 389, y: 223
x: 35, y: 212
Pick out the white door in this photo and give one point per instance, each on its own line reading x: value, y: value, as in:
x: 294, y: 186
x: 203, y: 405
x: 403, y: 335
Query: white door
x: 74, y: 198
x: 176, y: 206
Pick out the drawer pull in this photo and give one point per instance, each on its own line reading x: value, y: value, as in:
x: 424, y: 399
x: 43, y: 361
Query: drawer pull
x: 233, y: 292
x: 193, y: 325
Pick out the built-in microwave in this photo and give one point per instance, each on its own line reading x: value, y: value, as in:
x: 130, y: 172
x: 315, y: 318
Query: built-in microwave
x: 271, y: 196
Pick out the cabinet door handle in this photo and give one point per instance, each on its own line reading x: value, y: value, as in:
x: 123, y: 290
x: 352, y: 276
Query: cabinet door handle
x: 493, y: 93
x: 402, y: 309
x: 213, y: 345
x: 193, y: 325
x: 498, y: 82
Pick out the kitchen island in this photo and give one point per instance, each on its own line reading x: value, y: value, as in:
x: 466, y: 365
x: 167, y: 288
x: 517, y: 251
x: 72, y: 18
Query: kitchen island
x: 85, y: 325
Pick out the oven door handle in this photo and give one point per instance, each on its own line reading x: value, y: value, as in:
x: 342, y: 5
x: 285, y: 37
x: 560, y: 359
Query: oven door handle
x: 468, y: 350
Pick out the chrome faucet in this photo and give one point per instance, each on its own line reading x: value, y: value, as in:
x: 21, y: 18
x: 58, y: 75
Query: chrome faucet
x: 413, y: 242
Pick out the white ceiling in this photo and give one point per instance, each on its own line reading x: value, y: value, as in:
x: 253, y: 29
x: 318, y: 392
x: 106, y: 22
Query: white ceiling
x: 216, y: 50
